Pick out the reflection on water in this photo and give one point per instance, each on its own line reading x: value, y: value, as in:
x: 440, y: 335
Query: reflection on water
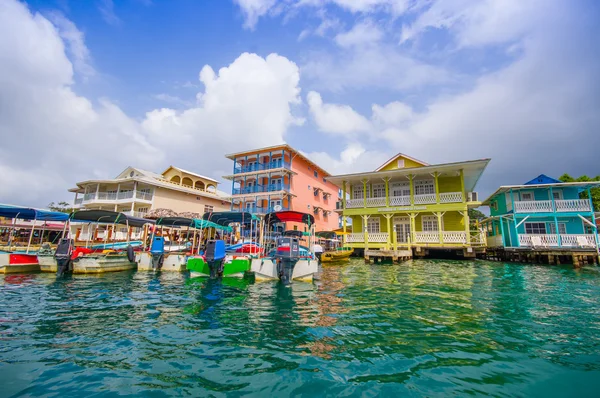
x: 420, y: 328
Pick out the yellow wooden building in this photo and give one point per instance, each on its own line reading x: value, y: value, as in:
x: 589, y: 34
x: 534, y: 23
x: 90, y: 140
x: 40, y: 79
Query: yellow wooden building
x: 409, y: 204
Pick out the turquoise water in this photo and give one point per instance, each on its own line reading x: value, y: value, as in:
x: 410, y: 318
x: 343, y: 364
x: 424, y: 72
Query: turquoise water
x: 424, y: 328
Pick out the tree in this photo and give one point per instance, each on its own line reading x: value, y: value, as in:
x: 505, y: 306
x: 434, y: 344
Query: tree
x: 62, y: 207
x: 475, y: 216
x: 584, y: 195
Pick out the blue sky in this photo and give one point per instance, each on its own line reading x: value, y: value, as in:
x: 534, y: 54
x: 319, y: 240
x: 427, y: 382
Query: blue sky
x: 97, y: 86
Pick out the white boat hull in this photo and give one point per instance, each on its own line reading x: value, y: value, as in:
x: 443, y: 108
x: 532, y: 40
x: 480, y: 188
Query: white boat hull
x: 47, y: 263
x: 266, y: 269
x: 101, y: 263
x: 173, y: 262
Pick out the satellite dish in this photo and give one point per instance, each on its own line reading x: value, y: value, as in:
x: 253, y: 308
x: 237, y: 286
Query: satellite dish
x: 277, y: 207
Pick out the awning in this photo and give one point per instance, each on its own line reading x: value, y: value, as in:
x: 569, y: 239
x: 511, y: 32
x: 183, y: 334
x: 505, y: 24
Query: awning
x: 289, y: 216
x: 175, y: 222
x: 228, y: 217
x: 28, y: 213
x: 326, y: 235
x: 200, y: 224
x: 109, y: 217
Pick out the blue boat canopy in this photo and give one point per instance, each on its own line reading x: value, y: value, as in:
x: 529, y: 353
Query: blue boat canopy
x: 29, y: 213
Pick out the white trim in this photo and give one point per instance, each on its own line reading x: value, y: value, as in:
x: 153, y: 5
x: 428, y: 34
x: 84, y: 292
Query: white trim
x: 396, y: 156
x: 378, y: 224
x: 560, y: 194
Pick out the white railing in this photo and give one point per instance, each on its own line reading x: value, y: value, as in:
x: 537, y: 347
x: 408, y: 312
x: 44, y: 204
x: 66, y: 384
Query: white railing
x: 78, y: 201
x: 494, y: 241
x: 574, y: 240
x: 572, y: 205
x: 399, y: 200
x: 454, y: 237
x: 89, y: 196
x: 125, y: 195
x: 143, y: 195
x: 533, y: 206
x: 378, y: 237
x: 356, y: 237
x: 451, y: 197
x: 375, y: 202
x: 544, y: 240
x: 354, y: 203
x: 477, y: 239
x: 107, y: 196
x: 427, y: 237
x: 424, y: 199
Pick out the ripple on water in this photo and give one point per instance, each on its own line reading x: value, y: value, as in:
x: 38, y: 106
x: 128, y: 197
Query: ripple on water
x: 421, y: 328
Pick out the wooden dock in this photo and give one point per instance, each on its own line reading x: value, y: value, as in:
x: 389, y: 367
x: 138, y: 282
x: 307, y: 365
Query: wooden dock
x: 551, y: 256
x: 382, y: 255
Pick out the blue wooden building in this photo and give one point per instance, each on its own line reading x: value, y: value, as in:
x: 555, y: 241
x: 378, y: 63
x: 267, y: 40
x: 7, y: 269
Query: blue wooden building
x: 543, y: 213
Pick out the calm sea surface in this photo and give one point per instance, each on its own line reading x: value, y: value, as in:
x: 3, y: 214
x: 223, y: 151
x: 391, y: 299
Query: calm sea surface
x: 424, y: 328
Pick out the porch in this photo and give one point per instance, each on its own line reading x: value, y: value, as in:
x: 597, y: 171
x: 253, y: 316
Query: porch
x: 441, y: 238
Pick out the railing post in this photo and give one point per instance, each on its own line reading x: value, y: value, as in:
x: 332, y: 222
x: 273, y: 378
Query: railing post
x: 440, y: 230
x: 387, y: 192
x: 467, y: 227
x: 343, y: 196
x: 412, y: 189
x: 365, y: 192
x: 462, y: 186
x: 437, y: 188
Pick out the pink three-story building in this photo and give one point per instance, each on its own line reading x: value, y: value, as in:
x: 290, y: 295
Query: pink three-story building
x: 281, y: 178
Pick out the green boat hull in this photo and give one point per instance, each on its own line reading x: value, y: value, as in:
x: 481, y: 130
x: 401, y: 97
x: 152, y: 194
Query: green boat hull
x: 233, y: 268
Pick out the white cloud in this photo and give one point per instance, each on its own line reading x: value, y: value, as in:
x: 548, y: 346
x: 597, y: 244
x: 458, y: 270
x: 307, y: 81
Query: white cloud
x: 353, y: 158
x: 53, y: 137
x: 477, y: 23
x: 381, y: 66
x: 254, y: 9
x: 173, y: 99
x: 107, y: 9
x: 75, y: 39
x: 335, y: 119
x: 363, y: 33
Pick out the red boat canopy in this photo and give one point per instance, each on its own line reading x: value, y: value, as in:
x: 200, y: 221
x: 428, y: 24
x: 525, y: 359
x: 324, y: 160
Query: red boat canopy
x: 291, y: 216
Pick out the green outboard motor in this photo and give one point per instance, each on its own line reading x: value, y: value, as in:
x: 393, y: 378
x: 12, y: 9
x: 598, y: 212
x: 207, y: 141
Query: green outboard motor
x: 287, y: 255
x: 215, y: 257
x: 157, y: 251
x: 64, y: 250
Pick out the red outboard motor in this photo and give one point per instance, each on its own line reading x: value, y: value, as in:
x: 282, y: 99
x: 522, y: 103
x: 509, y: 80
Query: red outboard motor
x: 63, y: 253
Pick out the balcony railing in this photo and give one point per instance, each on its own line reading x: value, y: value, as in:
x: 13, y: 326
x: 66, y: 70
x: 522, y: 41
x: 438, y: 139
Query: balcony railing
x: 114, y: 196
x: 551, y: 240
x: 356, y: 237
x: 261, y: 188
x: 425, y: 199
x: 399, y: 200
x: 78, y: 201
x: 427, y: 237
x: 454, y: 237
x: 355, y: 203
x: 545, y: 206
x: 451, y: 197
x: 377, y: 237
x: 572, y: 205
x: 375, y: 202
x: 275, y: 164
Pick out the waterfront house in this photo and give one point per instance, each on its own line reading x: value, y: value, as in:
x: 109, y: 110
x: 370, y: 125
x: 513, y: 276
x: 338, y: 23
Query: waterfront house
x: 409, y: 204
x: 136, y: 192
x: 281, y: 178
x: 542, y: 213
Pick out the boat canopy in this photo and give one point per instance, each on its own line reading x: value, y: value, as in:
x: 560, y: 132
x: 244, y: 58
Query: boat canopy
x: 326, y: 235
x: 200, y: 224
x: 176, y: 222
x: 29, y: 213
x: 289, y: 216
x: 228, y: 217
x: 109, y: 217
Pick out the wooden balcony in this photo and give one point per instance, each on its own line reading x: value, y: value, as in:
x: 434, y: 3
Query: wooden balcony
x: 551, y: 240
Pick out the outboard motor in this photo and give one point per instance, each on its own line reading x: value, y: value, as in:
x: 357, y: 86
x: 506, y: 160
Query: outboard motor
x: 287, y: 255
x: 63, y: 253
x: 157, y: 251
x: 215, y: 257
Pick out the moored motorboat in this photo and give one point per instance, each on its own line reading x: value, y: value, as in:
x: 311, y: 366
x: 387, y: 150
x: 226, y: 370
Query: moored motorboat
x: 274, y: 266
x: 107, y: 260
x: 24, y: 260
x: 333, y: 252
